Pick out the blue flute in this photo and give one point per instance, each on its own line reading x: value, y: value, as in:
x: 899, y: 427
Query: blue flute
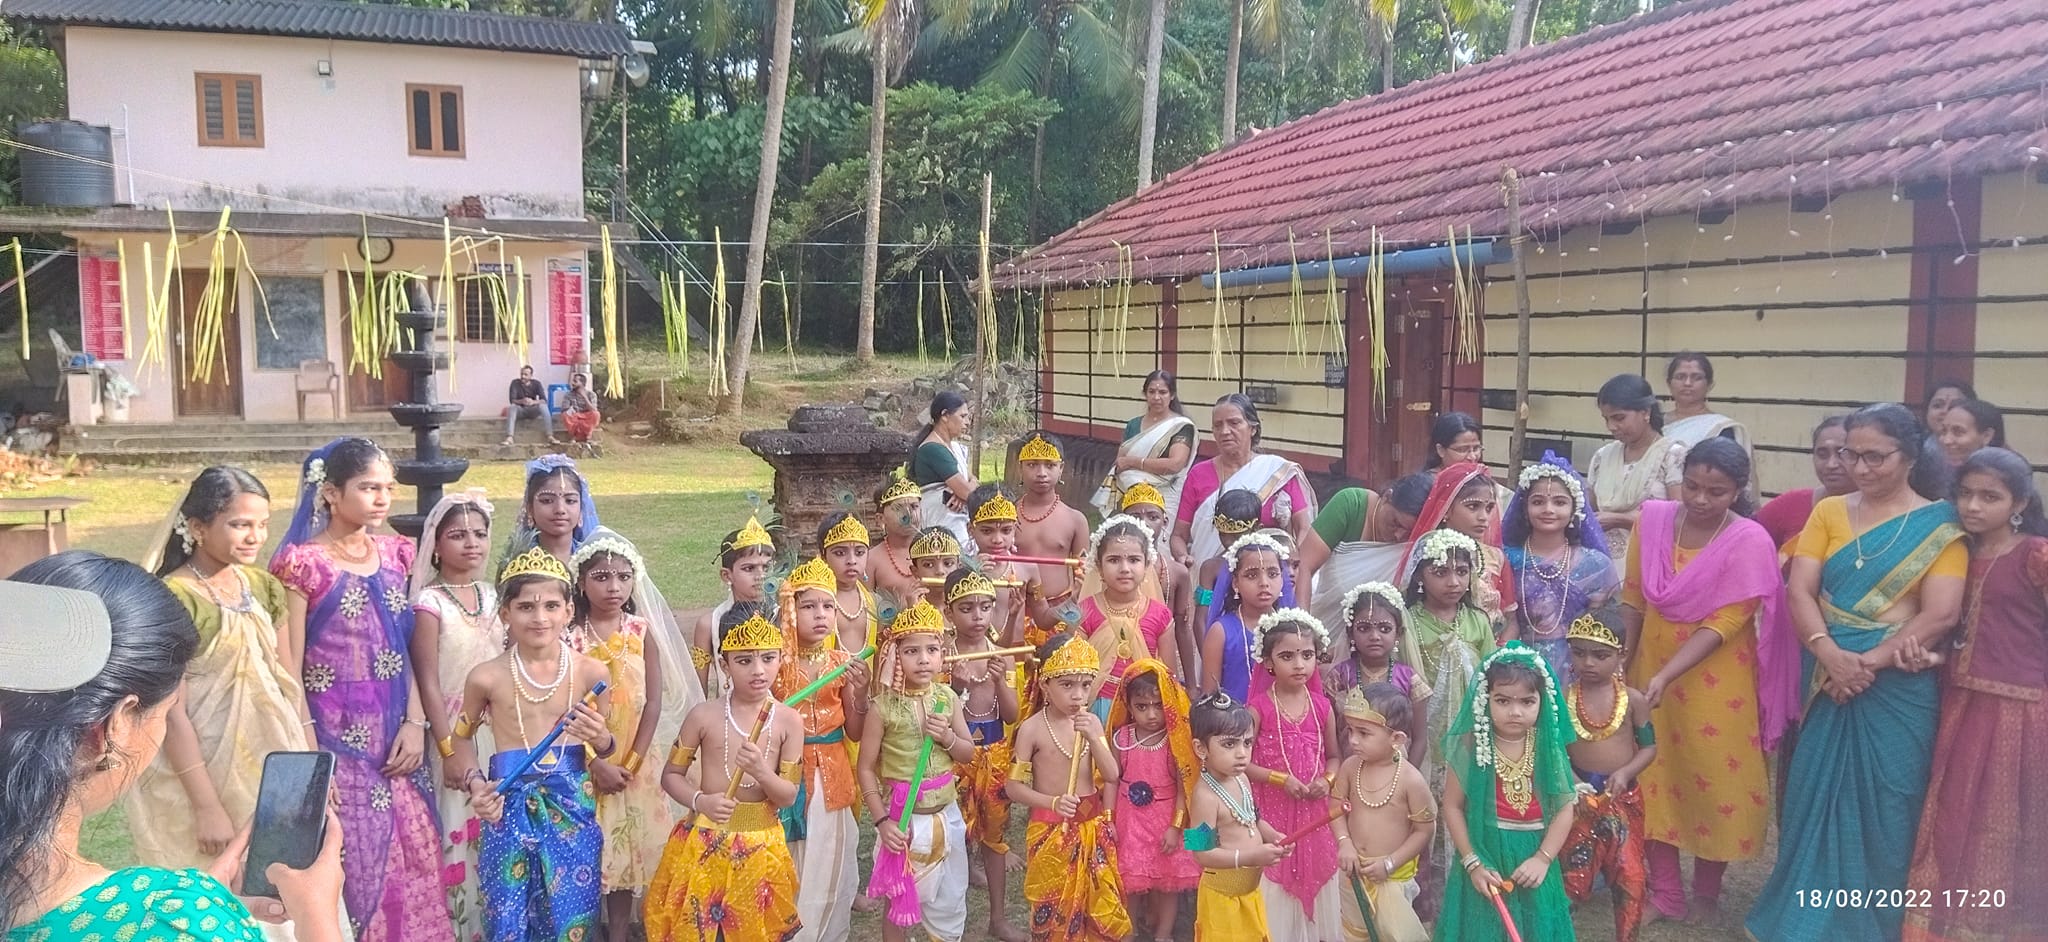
x: 505, y: 784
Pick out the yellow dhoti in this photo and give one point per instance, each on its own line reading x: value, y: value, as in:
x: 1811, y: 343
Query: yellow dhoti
x: 1393, y: 908
x: 1070, y: 878
x: 1228, y: 907
x: 730, y: 884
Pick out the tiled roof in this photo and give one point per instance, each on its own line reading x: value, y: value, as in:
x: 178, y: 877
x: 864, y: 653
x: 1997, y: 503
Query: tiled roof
x: 1702, y: 105
x: 334, y: 19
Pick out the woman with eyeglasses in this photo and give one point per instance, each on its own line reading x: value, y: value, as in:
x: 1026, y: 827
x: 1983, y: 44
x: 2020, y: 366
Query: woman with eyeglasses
x: 1639, y: 465
x: 1875, y: 572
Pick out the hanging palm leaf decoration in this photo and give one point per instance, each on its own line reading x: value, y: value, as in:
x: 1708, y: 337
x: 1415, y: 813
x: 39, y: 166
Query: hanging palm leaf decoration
x: 1333, y: 313
x: 720, y: 387
x: 1297, y: 304
x: 945, y: 318
x: 788, y: 319
x: 923, y: 356
x: 21, y: 293
x: 1376, y: 316
x: 121, y: 270
x: 1216, y: 309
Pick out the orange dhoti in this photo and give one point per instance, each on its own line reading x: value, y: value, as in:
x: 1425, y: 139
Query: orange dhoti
x: 1070, y: 878
x: 730, y: 884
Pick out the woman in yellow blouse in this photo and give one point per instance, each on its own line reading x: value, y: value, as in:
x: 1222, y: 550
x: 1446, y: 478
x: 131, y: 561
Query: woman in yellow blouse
x: 1874, y: 569
x: 1702, y: 589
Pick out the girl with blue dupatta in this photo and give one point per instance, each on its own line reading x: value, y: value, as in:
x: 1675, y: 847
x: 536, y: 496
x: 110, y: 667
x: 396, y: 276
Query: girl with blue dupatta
x: 1253, y: 581
x: 348, y: 630
x: 556, y: 514
x: 1873, y: 570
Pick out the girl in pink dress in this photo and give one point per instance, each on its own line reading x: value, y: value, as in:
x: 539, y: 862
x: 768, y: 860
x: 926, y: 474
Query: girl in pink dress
x: 1121, y: 611
x: 1294, y: 763
x: 1157, y: 756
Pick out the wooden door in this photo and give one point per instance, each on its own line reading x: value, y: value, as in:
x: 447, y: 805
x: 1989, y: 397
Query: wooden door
x: 213, y: 388
x: 367, y: 393
x: 1415, y: 319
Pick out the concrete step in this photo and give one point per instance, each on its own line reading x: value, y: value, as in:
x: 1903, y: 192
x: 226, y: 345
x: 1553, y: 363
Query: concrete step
x: 233, y: 453
x: 213, y: 441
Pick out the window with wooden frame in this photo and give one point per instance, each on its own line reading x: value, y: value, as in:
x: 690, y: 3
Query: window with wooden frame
x: 485, y: 306
x: 230, y: 109
x: 433, y: 124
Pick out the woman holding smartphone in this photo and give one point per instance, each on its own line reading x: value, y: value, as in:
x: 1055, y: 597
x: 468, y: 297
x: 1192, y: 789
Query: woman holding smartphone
x: 85, y: 691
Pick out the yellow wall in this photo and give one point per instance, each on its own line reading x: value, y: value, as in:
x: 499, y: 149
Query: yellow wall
x: 2012, y: 307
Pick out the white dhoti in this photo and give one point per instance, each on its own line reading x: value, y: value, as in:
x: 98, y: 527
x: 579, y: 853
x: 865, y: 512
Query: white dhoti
x: 938, y: 862
x: 827, y: 878
x: 1285, y: 918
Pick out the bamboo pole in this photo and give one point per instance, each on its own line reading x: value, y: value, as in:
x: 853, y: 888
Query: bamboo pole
x: 984, y: 353
x: 1511, y: 185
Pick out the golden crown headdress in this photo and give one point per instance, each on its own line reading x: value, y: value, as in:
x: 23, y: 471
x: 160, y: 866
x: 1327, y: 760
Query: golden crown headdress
x: 996, y: 509
x: 1142, y: 494
x: 1588, y: 628
x: 1036, y: 448
x: 1357, y: 708
x: 971, y: 585
x: 1229, y: 526
x: 750, y: 536
x: 535, y: 562
x: 1077, y: 656
x: 935, y: 541
x: 814, y: 574
x: 918, y: 619
x: 900, y: 488
x: 757, y: 633
x: 848, y: 530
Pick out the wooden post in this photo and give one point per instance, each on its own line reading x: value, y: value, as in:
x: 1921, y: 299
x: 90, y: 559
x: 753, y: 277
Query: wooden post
x: 1511, y: 185
x: 984, y: 345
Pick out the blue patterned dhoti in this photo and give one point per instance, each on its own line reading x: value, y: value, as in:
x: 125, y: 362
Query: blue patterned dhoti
x: 539, y: 865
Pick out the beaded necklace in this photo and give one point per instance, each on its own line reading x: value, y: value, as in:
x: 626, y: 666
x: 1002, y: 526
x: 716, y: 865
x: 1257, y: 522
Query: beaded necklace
x: 1246, y: 812
x: 732, y: 726
x: 548, y: 690
x: 1587, y: 730
x: 1358, y: 785
x: 477, y: 587
x: 1308, y: 718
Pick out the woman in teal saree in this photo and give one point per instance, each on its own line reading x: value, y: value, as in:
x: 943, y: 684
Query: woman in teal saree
x: 1871, y: 570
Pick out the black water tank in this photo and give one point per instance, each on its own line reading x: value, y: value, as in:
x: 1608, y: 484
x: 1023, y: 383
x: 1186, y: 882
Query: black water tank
x: 78, y: 173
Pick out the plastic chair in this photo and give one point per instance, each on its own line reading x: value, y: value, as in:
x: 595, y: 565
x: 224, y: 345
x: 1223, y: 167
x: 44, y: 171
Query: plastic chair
x: 315, y: 378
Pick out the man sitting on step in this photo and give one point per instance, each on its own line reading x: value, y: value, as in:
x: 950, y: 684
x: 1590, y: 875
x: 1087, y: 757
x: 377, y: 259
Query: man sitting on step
x: 529, y: 401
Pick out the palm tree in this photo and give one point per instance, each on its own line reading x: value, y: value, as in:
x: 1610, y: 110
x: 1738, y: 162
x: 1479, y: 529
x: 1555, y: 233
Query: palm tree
x: 887, y: 24
x: 764, y: 205
x: 1521, y: 24
x: 1233, y: 57
x: 1155, y: 52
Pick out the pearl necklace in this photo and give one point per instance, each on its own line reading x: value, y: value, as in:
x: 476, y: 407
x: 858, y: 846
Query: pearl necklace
x: 547, y: 690
x: 518, y: 714
x: 1532, y: 563
x: 1358, y: 785
x: 1071, y: 757
x: 859, y: 611
x: 1280, y: 728
x: 725, y: 738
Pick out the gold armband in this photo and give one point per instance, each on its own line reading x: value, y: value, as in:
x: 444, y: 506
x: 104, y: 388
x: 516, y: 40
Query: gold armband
x: 681, y: 755
x: 1425, y: 816
x: 791, y: 771
x: 445, y: 746
x: 1020, y: 772
x: 632, y: 763
x: 700, y: 657
x: 464, y: 727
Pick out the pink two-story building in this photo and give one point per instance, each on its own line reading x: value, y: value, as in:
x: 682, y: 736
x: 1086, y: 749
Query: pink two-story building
x: 342, y: 137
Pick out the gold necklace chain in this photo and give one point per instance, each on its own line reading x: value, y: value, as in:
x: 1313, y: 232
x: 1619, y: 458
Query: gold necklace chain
x: 1358, y: 785
x: 1586, y: 730
x: 1517, y: 776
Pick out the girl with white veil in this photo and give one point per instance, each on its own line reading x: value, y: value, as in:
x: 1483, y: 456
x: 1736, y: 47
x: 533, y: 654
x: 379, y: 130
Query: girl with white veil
x: 455, y: 628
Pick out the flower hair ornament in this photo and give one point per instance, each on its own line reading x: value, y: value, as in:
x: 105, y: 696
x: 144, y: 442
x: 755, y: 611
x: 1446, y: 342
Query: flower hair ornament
x: 316, y: 472
x: 609, y: 543
x: 183, y: 529
x: 1256, y: 541
x: 1436, y: 546
x: 1482, y: 694
x: 1283, y: 616
x: 1386, y: 593
x: 1147, y: 538
x: 1554, y: 468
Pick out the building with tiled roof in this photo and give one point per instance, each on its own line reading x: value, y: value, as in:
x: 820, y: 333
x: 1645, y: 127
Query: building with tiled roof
x: 1840, y: 201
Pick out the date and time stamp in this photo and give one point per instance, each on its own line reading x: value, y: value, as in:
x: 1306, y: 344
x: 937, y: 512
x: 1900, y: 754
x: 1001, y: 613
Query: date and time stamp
x: 1901, y: 899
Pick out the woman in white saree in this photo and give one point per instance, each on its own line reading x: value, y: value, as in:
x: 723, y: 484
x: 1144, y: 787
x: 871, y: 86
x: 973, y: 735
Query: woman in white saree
x: 939, y: 465
x: 1158, y: 449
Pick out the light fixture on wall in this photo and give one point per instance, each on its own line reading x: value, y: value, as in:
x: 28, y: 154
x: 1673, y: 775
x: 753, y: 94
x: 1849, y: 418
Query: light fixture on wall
x: 323, y: 67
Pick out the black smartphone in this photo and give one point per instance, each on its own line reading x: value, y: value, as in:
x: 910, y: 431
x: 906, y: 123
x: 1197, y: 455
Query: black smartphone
x: 291, y: 816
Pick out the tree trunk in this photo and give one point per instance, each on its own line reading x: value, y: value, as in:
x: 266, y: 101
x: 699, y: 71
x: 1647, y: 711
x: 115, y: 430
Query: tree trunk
x: 1232, y: 58
x: 1443, y: 13
x: 764, y: 206
x: 871, y: 246
x: 1387, y: 59
x: 1521, y: 23
x: 1052, y: 50
x: 1148, y: 123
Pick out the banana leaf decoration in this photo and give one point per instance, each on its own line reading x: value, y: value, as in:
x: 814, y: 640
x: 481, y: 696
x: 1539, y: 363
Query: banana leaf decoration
x: 615, y: 380
x: 719, y: 385
x: 1297, y: 305
x: 1333, y: 315
x: 1216, y: 309
x: 945, y: 317
x: 1376, y: 316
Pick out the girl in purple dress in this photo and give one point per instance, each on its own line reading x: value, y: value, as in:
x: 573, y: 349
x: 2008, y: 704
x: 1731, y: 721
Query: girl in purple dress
x: 349, y: 628
x: 1373, y: 646
x: 1560, y: 561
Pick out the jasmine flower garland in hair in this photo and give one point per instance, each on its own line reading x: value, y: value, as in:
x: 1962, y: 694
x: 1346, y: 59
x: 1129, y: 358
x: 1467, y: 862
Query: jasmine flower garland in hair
x: 1149, y: 539
x: 1561, y: 474
x: 1482, y: 693
x: 1386, y: 593
x: 1436, y: 546
x: 1283, y: 616
x: 1256, y: 541
x: 316, y: 472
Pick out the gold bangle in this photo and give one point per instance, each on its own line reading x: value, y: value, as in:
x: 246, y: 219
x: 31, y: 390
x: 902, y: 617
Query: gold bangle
x: 632, y: 763
x: 1276, y: 778
x: 445, y: 746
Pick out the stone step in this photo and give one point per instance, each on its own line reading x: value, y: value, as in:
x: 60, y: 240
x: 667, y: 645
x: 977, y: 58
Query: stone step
x: 233, y: 453
x: 213, y: 441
